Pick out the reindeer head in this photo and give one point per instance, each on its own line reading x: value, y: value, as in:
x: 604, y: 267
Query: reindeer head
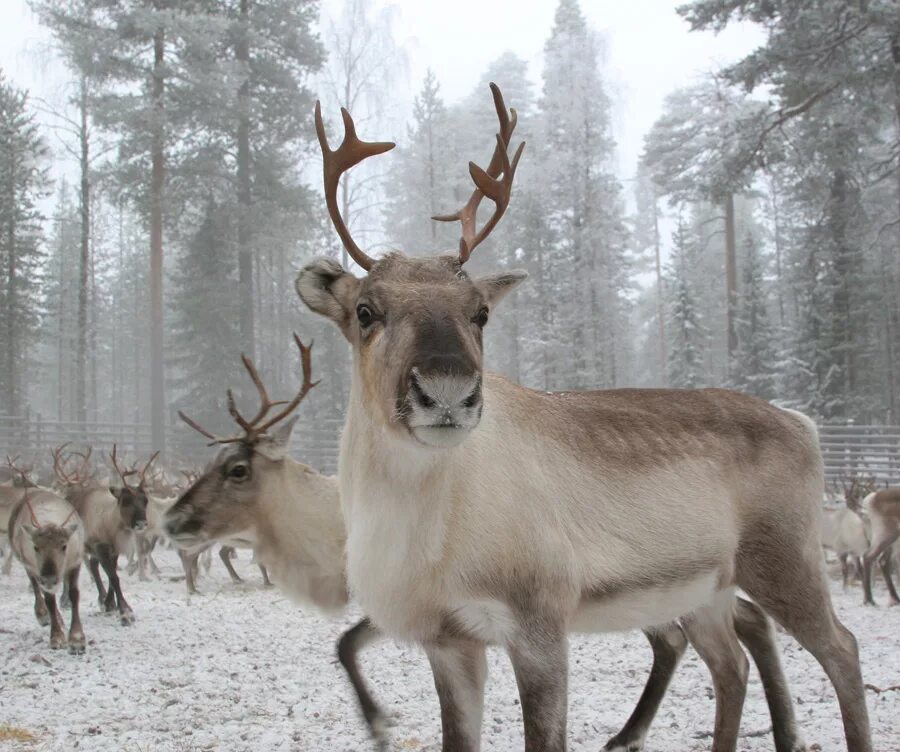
x: 46, y: 549
x: 220, y: 503
x: 132, y: 497
x: 415, y: 324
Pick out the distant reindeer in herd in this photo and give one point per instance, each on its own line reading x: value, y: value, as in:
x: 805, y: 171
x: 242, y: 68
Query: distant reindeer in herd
x: 883, y: 510
x: 47, y: 537
x: 480, y: 512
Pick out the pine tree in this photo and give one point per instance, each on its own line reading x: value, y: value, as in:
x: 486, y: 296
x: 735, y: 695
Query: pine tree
x: 587, y: 259
x: 206, y: 322
x: 23, y: 184
x: 753, y: 369
x: 684, y: 326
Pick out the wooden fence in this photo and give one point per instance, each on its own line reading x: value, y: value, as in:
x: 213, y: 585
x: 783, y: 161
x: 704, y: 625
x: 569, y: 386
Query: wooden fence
x: 849, y: 450
x: 852, y: 451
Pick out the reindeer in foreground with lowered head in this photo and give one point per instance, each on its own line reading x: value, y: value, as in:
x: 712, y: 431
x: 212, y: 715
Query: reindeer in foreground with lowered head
x: 46, y: 535
x: 481, y: 512
x: 254, y: 493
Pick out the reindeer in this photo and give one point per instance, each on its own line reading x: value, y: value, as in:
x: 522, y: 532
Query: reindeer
x: 481, y: 512
x: 305, y: 507
x: 290, y: 514
x: 110, y: 515
x: 47, y: 536
x: 883, y: 510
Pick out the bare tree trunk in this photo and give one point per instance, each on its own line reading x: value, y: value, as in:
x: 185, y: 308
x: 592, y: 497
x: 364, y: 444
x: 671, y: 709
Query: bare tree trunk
x: 11, y: 366
x: 660, y: 303
x: 84, y: 260
x: 730, y: 279
x: 245, y: 252
x: 157, y: 177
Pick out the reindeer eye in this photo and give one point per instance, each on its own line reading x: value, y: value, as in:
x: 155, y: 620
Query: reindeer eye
x: 365, y: 315
x: 481, y: 318
x: 239, y: 472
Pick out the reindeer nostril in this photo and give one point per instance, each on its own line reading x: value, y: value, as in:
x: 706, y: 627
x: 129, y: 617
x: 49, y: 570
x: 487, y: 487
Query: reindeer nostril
x: 421, y: 397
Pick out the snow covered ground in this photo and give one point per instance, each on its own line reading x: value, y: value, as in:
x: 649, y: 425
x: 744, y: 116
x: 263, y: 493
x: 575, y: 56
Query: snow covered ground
x: 242, y: 668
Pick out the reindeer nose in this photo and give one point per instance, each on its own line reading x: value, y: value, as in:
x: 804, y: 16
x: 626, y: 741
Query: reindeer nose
x: 48, y: 582
x: 140, y: 526
x: 444, y: 394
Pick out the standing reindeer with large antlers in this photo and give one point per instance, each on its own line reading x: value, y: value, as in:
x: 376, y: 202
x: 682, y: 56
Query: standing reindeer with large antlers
x: 480, y: 512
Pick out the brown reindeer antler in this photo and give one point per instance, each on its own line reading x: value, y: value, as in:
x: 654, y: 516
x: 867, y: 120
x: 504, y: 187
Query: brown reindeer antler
x: 257, y: 425
x: 76, y: 477
x: 123, y: 474
x: 11, y: 462
x: 488, y: 183
x: 335, y: 162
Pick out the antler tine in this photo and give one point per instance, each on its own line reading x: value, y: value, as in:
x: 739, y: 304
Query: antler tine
x: 201, y: 430
x: 308, y: 383
x: 58, y: 469
x: 488, y: 182
x: 335, y: 162
x: 147, y: 466
x: 123, y: 474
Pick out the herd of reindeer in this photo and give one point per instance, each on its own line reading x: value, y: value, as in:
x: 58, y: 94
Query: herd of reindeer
x: 469, y: 511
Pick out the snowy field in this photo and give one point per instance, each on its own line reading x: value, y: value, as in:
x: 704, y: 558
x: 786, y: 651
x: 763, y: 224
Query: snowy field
x: 241, y: 668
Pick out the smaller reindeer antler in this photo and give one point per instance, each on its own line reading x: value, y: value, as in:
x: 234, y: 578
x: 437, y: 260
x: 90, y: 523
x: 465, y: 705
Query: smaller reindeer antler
x: 488, y: 182
x: 335, y: 162
x: 76, y: 477
x: 256, y: 426
x: 23, y: 474
x: 123, y: 474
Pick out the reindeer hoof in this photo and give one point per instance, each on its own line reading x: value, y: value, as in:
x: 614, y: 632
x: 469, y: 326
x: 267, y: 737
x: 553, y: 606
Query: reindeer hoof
x: 76, y: 646
x: 127, y: 619
x: 619, y: 745
x: 57, y: 642
x: 43, y: 619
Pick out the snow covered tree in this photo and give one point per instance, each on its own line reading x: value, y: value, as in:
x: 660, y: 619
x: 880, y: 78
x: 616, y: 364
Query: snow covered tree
x: 753, y: 367
x: 23, y: 184
x: 587, y: 258
x: 685, y: 328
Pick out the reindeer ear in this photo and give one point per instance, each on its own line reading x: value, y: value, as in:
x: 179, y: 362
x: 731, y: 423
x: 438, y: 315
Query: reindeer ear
x: 116, y: 491
x: 329, y: 290
x: 275, y: 445
x: 71, y: 528
x: 497, y: 286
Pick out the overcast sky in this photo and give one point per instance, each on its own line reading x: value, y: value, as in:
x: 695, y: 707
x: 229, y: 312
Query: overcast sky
x: 650, y: 51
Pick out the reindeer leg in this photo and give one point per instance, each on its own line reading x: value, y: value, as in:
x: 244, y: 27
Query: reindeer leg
x: 225, y: 553
x: 349, y: 645
x: 109, y: 560
x: 76, y: 633
x: 845, y: 569
x: 539, y: 655
x: 869, y: 559
x: 668, y: 643
x: 885, y: 563
x: 265, y: 575
x: 94, y: 566
x: 188, y: 564
x: 57, y: 634
x: 40, y: 607
x: 7, y: 564
x: 459, y: 668
x: 711, y: 631
x: 755, y: 631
